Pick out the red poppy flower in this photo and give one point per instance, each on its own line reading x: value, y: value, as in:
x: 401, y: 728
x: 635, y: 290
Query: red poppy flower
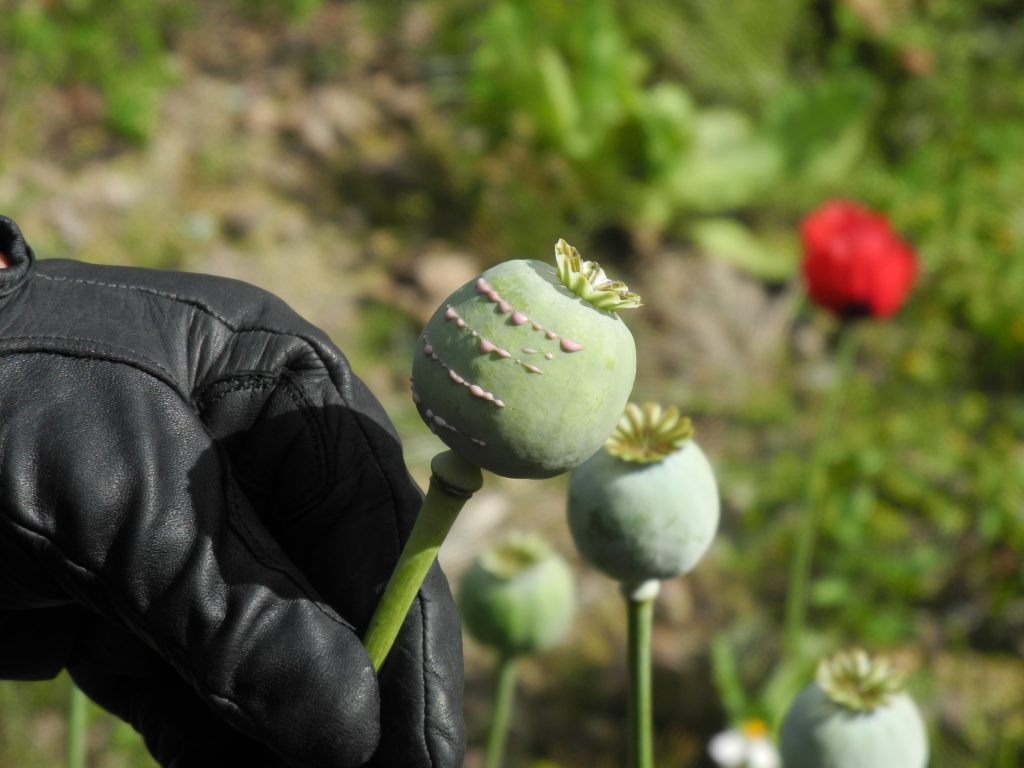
x: 854, y: 263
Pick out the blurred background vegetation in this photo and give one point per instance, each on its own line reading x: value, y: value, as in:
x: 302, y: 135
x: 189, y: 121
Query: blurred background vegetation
x: 363, y: 158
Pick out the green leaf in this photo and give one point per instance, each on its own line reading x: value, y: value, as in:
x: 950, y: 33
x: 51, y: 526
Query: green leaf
x: 822, y: 129
x: 768, y: 258
x: 730, y: 165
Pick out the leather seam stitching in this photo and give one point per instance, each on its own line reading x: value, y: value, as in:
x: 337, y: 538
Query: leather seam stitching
x: 91, y: 351
x: 423, y: 675
x: 293, y: 391
x: 238, y: 383
x: 297, y: 396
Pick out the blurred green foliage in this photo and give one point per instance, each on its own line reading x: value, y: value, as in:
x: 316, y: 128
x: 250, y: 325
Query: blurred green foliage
x: 121, y: 48
x: 32, y: 730
x: 567, y: 81
x: 712, y: 128
x: 713, y: 123
x: 116, y: 46
x: 651, y: 117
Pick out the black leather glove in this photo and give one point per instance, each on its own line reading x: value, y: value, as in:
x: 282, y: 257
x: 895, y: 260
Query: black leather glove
x: 199, y: 507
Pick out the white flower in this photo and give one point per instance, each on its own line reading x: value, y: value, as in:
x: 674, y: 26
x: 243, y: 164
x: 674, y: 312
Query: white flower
x: 745, y: 747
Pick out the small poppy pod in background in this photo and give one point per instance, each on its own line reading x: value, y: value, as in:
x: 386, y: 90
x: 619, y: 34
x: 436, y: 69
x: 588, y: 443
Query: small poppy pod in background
x: 518, y: 596
x: 854, y: 264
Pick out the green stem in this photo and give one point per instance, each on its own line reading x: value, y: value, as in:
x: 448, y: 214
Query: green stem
x: 76, y: 728
x: 504, y: 694
x: 453, y: 482
x: 640, y: 613
x: 800, y: 567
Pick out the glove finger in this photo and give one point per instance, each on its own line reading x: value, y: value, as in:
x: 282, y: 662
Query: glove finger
x: 127, y: 678
x: 330, y: 482
x: 421, y: 685
x: 152, y: 532
x: 278, y: 662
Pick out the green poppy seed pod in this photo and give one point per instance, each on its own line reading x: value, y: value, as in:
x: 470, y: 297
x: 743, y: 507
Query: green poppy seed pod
x: 518, y: 596
x: 525, y: 370
x: 646, y: 506
x: 854, y: 716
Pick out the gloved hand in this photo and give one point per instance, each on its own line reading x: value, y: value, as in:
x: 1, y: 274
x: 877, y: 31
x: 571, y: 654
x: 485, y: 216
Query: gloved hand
x: 199, y: 507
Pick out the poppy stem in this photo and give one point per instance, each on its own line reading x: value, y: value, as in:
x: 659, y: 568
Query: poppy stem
x: 452, y: 482
x: 76, y: 725
x: 801, y: 565
x: 504, y: 694
x: 640, y: 615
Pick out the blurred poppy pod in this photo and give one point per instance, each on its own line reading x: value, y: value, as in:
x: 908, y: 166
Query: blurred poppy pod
x: 854, y: 264
x: 854, y: 715
x: 645, y: 507
x: 642, y: 509
x: 517, y: 597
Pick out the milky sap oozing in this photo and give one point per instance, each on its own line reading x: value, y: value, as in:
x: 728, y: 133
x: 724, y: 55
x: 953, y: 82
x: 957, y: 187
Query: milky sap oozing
x: 521, y: 356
